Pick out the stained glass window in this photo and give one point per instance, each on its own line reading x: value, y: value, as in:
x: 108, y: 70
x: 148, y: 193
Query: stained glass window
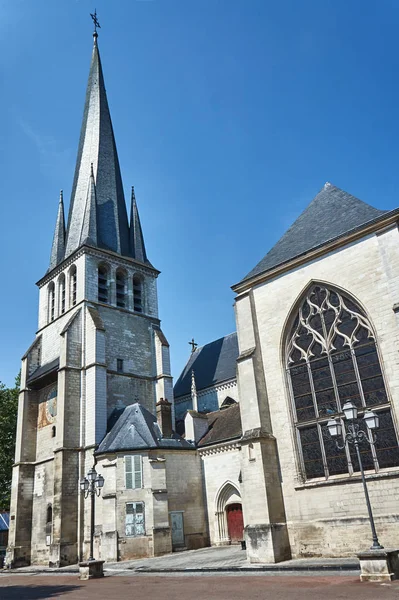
x: 332, y: 357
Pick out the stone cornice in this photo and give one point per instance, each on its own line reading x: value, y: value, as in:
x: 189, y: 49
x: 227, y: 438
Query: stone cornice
x: 226, y: 385
x: 98, y: 252
x: 219, y: 448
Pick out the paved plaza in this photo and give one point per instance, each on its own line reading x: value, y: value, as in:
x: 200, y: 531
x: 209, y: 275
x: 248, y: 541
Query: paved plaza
x: 214, y: 559
x: 203, y: 587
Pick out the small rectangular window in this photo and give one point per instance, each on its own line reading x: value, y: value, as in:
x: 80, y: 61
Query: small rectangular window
x: 133, y: 472
x: 119, y: 365
x: 134, y: 520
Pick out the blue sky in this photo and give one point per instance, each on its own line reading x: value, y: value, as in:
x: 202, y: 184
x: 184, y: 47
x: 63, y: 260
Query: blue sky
x: 229, y: 116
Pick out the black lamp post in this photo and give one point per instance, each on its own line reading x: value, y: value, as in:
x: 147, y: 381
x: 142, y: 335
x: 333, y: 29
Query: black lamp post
x: 91, y: 486
x: 354, y: 435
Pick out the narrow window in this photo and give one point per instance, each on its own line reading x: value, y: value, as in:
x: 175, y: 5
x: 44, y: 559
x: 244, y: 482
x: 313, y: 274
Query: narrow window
x: 135, y: 519
x: 72, y: 285
x: 119, y: 365
x: 61, y: 292
x: 49, y: 524
x: 133, y: 472
x: 137, y: 294
x: 332, y: 357
x: 102, y: 284
x: 51, y: 302
x: 120, y: 289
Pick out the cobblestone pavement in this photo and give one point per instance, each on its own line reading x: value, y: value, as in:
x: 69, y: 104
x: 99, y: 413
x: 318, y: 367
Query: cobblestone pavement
x: 204, y: 587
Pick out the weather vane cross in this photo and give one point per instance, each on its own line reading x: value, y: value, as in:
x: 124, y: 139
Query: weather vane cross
x: 95, y: 21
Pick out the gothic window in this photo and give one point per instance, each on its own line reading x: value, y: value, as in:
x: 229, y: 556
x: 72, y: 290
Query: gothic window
x: 133, y: 472
x: 61, y: 293
x: 102, y: 284
x: 119, y: 365
x: 72, y: 285
x: 137, y: 294
x: 332, y: 357
x: 51, y: 302
x: 134, y: 523
x: 120, y: 289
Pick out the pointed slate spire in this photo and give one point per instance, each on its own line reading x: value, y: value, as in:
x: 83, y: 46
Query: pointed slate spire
x: 136, y: 233
x: 58, y: 247
x: 97, y: 147
x: 89, y: 227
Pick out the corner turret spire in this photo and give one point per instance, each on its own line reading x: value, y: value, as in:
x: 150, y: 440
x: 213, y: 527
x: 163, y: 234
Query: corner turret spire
x: 136, y: 233
x: 89, y: 226
x: 97, y: 154
x: 58, y: 246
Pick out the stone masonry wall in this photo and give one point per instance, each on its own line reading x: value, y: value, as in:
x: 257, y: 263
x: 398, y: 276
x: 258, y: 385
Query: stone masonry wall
x: 329, y: 518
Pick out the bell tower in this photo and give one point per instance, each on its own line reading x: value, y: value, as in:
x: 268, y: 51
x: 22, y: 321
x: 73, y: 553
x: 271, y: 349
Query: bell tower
x: 99, y: 345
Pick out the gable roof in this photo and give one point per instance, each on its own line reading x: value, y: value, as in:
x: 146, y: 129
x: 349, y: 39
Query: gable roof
x: 213, y: 363
x: 135, y: 428
x: 223, y: 425
x: 332, y: 213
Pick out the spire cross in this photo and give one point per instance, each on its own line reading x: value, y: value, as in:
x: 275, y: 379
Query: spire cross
x: 193, y: 345
x: 95, y: 21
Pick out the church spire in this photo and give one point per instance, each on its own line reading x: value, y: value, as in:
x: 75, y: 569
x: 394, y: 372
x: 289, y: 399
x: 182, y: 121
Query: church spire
x: 58, y: 247
x: 89, y: 226
x: 97, y: 153
x: 136, y: 233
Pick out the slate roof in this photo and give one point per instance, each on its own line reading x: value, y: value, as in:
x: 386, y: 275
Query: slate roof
x: 332, y: 213
x: 223, y: 425
x: 213, y: 363
x: 135, y: 428
x: 44, y: 370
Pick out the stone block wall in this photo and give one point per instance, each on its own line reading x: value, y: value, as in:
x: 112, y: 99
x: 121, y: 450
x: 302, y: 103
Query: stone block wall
x: 324, y: 518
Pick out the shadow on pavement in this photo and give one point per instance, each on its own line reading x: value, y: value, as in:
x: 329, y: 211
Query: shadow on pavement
x: 35, y: 592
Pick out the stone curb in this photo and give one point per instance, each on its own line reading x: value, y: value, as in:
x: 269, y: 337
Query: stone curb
x: 324, y: 568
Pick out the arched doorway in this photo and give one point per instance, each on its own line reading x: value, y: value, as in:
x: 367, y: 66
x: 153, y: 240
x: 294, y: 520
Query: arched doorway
x: 229, y: 521
x: 235, y: 522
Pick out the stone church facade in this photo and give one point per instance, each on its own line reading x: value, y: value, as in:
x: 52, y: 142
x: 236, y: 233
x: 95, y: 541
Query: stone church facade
x: 240, y: 448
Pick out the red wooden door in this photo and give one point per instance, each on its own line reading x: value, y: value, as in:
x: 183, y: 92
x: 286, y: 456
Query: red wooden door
x: 235, y: 523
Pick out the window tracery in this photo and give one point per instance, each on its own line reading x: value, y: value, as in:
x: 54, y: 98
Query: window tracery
x: 332, y: 357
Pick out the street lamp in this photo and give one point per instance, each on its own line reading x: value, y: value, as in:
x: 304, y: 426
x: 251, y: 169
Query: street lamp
x: 91, y: 486
x: 354, y: 436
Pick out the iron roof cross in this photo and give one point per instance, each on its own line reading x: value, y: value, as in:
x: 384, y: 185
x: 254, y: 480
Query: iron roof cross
x: 95, y: 21
x: 193, y: 345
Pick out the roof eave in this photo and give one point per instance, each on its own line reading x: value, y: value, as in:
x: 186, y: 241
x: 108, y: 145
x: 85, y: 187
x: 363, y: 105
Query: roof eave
x: 357, y: 233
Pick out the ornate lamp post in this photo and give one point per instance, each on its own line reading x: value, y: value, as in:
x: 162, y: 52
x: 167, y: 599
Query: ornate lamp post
x: 91, y: 486
x: 354, y: 435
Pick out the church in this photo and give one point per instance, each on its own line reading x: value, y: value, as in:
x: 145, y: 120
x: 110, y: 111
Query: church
x: 240, y: 449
